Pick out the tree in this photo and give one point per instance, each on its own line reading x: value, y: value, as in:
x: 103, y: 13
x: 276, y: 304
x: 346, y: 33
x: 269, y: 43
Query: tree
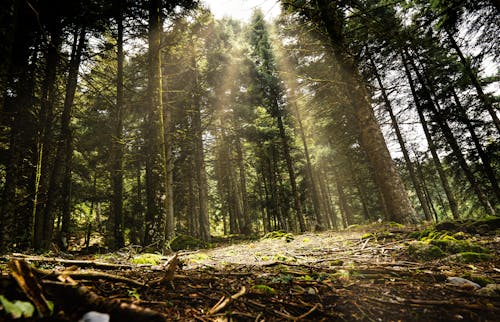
x: 329, y: 18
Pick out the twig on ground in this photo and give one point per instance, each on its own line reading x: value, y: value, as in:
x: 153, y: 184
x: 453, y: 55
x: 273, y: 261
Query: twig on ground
x: 225, y: 301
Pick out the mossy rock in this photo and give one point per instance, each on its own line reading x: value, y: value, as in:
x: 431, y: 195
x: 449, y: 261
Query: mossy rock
x: 471, y: 257
x: 186, y: 242
x: 425, y: 251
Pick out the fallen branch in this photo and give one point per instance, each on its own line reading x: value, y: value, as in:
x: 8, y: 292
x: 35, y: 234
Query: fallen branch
x: 79, y: 263
x: 79, y: 299
x: 225, y: 301
x: 84, y: 274
x: 28, y: 283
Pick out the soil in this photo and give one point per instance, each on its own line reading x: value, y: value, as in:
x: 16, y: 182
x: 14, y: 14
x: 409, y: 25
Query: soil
x: 325, y: 276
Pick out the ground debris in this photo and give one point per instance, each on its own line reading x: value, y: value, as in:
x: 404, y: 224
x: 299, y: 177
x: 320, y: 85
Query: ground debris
x: 329, y: 276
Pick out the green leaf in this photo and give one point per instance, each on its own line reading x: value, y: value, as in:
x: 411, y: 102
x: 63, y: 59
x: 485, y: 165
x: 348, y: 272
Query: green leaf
x: 17, y: 309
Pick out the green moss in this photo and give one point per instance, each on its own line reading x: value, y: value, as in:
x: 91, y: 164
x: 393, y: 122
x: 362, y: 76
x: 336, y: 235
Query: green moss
x: 263, y: 289
x: 278, y: 234
x: 147, y: 258
x: 453, y: 246
x: 367, y: 235
x: 481, y: 280
x: 395, y: 224
x: 424, y: 251
x: 186, y: 242
x: 471, y: 257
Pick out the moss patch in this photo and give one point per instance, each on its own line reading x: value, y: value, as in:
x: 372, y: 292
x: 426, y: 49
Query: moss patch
x: 147, y: 258
x: 279, y: 234
x: 424, y: 251
x: 471, y: 257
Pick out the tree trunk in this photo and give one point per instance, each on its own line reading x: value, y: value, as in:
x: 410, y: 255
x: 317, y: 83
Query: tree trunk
x: 246, y: 228
x: 67, y: 138
x: 116, y: 157
x: 155, y: 149
x: 450, y: 138
x: 44, y: 224
x: 310, y: 176
x: 485, y: 100
x: 372, y: 141
x: 432, y: 147
x: 401, y: 141
x: 291, y: 173
x: 485, y: 159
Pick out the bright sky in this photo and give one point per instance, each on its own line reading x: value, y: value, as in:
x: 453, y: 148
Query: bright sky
x: 242, y: 9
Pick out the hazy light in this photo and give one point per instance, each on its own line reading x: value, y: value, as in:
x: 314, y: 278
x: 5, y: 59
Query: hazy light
x: 242, y: 9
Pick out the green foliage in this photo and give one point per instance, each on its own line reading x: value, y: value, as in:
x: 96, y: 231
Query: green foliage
x: 134, y: 293
x: 17, y: 309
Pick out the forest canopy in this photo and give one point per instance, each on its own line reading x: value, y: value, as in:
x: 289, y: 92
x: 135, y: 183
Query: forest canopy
x: 133, y: 122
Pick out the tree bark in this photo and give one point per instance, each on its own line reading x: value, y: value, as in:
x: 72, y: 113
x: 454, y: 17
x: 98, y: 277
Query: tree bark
x: 450, y: 138
x: 44, y: 224
x: 401, y: 141
x: 117, y: 140
x: 155, y: 149
x: 485, y: 159
x: 67, y: 138
x: 485, y: 100
x: 432, y: 147
x: 372, y: 141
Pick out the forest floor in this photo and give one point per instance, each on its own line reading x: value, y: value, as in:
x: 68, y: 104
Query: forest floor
x: 366, y: 273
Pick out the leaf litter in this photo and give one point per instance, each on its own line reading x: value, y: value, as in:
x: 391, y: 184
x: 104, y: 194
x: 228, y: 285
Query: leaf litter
x: 364, y: 273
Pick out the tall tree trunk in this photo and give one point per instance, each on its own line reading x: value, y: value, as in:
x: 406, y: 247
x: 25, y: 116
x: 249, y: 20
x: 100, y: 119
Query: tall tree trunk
x: 401, y: 141
x: 432, y: 147
x: 291, y: 173
x: 372, y: 141
x: 326, y: 199
x: 45, y: 139
x: 199, y: 154
x: 310, y: 176
x: 485, y: 100
x: 433, y: 104
x: 485, y: 159
x: 246, y: 228
x: 155, y: 148
x: 116, y: 164
x: 67, y: 138
x: 18, y: 188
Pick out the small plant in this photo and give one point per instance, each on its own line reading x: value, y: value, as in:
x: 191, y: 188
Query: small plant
x: 134, y: 293
x: 17, y: 309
